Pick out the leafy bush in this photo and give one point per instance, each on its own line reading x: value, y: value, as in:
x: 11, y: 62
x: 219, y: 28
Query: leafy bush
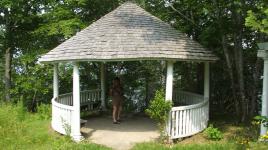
x: 159, y: 110
x: 213, y: 133
x: 44, y: 111
x: 261, y: 120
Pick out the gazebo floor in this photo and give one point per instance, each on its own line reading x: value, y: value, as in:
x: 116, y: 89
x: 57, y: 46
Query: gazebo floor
x: 132, y: 130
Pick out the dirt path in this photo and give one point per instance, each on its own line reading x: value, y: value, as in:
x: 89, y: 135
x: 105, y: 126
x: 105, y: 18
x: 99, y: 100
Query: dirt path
x: 132, y: 130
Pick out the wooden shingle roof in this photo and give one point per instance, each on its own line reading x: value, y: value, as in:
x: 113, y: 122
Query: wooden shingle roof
x: 128, y: 33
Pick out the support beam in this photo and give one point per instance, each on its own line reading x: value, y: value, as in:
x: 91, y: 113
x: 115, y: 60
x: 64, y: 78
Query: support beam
x: 55, y: 81
x: 169, y: 81
x: 206, y: 80
x: 263, y: 53
x: 103, y: 76
x: 264, y: 108
x: 169, y: 91
x: 75, y: 125
x: 55, y: 91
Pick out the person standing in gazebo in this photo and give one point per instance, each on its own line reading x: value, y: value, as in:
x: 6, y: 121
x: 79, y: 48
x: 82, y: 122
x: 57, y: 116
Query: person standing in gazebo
x: 116, y: 92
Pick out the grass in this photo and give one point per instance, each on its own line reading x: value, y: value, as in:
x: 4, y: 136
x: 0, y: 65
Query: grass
x: 22, y: 130
x: 205, y: 146
x: 235, y: 137
x: 215, y: 146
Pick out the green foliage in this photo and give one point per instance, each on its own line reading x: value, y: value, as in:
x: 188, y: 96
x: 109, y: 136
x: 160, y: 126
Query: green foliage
x: 67, y: 128
x: 37, y: 27
x: 258, y: 20
x: 159, y: 110
x: 213, y: 133
x: 261, y: 120
x: 31, y: 133
x: 179, y: 146
x: 44, y: 111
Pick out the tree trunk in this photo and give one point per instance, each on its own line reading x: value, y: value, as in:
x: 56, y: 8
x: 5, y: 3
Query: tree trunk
x: 228, y: 58
x: 254, y: 91
x: 7, y: 77
x: 8, y: 44
x: 238, y: 51
x: 240, y: 76
x: 231, y: 74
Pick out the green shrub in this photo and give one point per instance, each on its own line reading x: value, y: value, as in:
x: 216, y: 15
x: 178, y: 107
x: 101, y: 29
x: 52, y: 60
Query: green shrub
x: 261, y: 120
x: 213, y: 133
x: 44, y: 111
x: 159, y: 110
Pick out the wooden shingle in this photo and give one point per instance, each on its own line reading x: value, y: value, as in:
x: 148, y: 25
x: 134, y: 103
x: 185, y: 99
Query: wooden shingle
x: 128, y: 33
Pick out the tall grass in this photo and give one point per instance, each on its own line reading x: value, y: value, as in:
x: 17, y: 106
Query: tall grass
x: 25, y: 131
x: 22, y: 130
x: 205, y: 146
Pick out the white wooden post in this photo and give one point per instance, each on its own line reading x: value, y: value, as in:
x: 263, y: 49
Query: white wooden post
x: 263, y: 53
x: 206, y: 88
x: 206, y: 80
x: 169, y: 81
x: 264, y: 108
x: 55, y: 91
x: 169, y: 92
x: 55, y: 82
x: 103, y: 106
x: 75, y: 125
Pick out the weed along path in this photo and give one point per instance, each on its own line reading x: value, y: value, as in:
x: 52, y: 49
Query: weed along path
x: 122, y: 136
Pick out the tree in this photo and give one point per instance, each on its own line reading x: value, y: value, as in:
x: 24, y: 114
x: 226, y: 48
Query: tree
x: 220, y: 27
x: 16, y: 20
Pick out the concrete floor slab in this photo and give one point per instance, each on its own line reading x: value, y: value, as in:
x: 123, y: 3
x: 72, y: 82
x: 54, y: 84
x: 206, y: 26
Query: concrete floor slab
x: 122, y: 136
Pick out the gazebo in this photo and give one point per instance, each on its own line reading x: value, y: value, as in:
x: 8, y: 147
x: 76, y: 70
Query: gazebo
x: 129, y: 33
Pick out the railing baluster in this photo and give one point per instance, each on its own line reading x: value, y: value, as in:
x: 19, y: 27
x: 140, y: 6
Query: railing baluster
x: 177, y: 123
x: 184, y: 122
x: 180, y: 125
x: 188, y: 121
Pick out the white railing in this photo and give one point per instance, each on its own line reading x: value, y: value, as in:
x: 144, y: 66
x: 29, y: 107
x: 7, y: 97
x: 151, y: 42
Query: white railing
x: 62, y: 109
x: 86, y: 97
x: 89, y: 97
x: 187, y: 98
x: 65, y: 99
x: 61, y: 117
x: 190, y: 117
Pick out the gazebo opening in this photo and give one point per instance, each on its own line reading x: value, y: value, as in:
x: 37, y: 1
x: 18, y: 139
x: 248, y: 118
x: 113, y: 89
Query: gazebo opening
x: 94, y: 97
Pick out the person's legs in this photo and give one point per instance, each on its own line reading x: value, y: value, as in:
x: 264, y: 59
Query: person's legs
x: 119, y: 112
x: 114, y: 113
x: 119, y: 109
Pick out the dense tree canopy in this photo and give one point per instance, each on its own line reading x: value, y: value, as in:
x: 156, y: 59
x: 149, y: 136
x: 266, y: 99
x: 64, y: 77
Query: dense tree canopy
x: 29, y: 29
